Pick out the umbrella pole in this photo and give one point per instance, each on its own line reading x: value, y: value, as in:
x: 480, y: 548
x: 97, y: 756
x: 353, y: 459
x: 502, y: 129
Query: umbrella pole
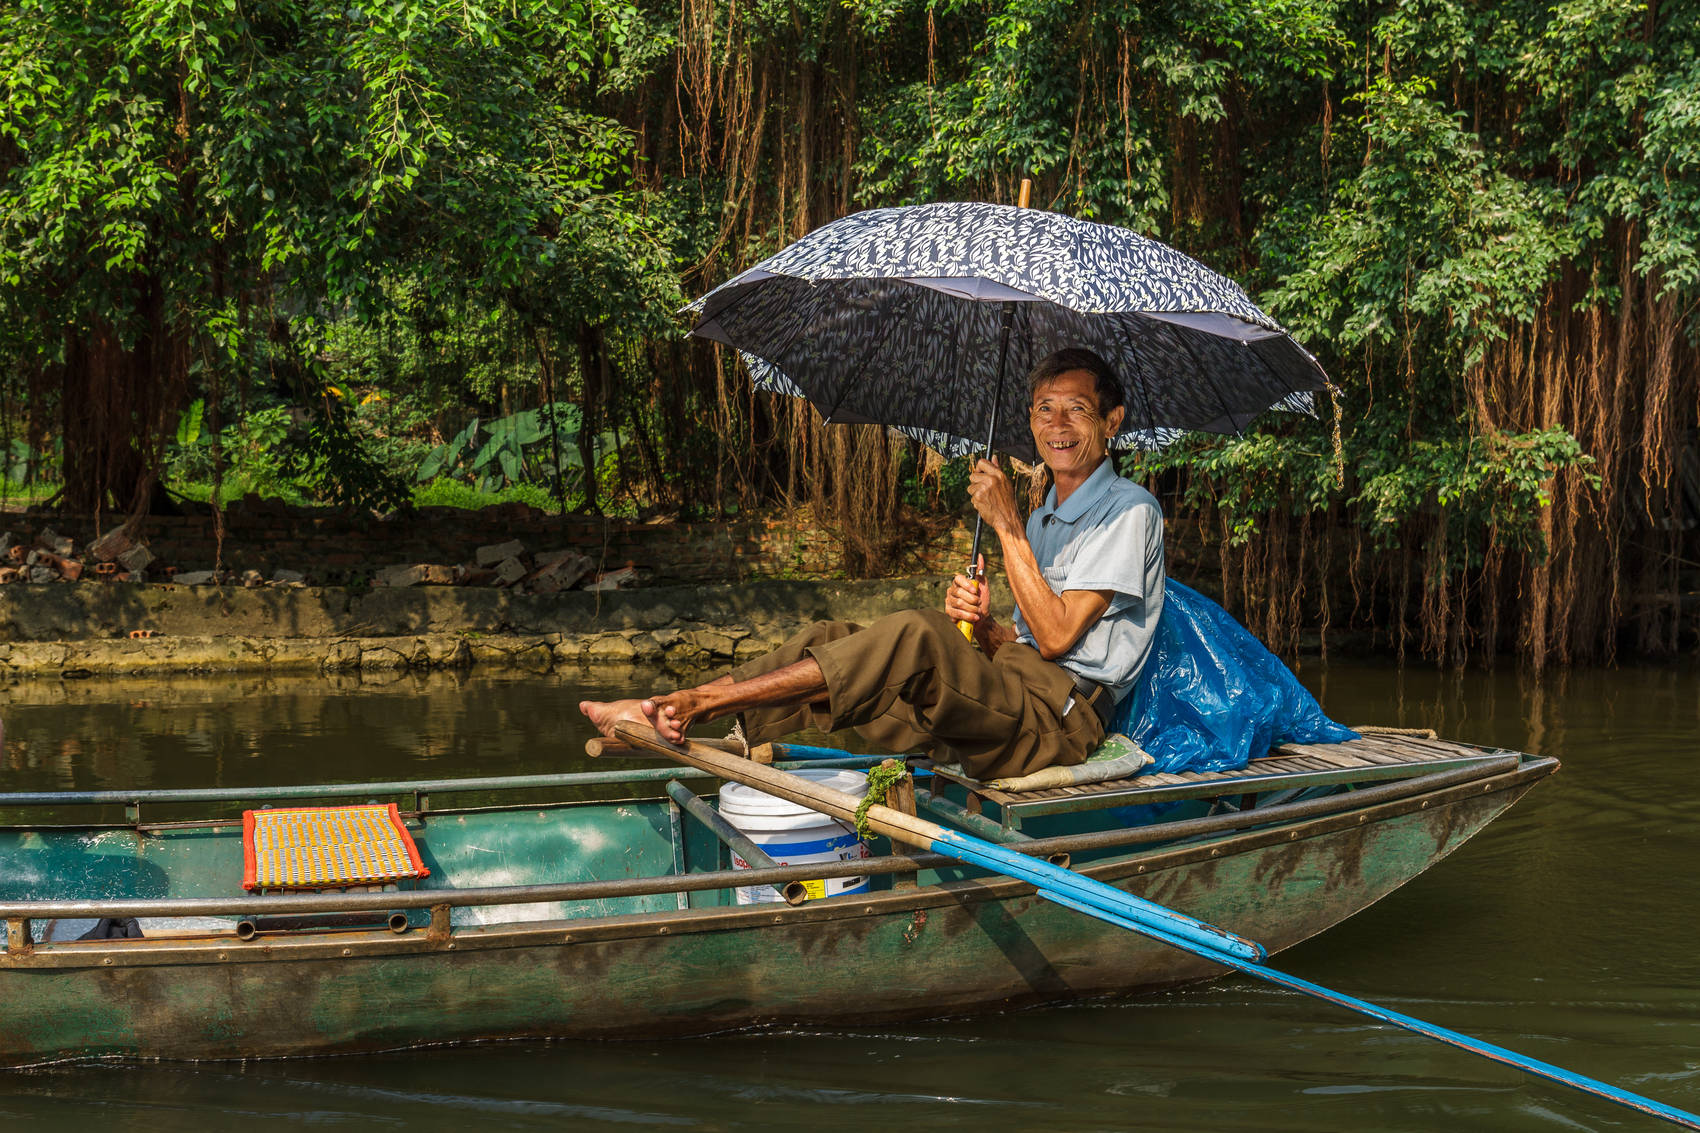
x: 992, y: 430
x: 967, y: 628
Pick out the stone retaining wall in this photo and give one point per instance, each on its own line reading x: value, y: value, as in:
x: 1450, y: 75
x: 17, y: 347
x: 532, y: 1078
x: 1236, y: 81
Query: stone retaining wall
x: 80, y: 631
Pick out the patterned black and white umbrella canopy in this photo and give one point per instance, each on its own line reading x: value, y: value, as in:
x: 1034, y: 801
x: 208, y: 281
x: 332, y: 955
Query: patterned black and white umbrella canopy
x: 893, y: 317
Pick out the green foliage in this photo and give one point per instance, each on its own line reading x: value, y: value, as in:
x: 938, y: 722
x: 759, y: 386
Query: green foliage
x: 454, y: 493
x: 170, y: 169
x: 16, y: 463
x: 1491, y: 489
x: 1085, y: 98
x: 189, y: 425
x: 256, y: 458
x: 881, y: 780
x: 1429, y: 232
x: 1247, y: 478
x: 335, y: 461
x: 510, y: 450
x: 946, y: 491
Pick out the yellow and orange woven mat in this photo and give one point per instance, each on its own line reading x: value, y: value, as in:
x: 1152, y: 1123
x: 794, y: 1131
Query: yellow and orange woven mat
x: 326, y: 847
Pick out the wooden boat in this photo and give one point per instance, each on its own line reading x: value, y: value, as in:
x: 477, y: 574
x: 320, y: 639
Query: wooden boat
x: 584, y: 916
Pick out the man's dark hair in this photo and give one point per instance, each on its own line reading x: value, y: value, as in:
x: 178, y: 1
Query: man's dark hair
x: 1106, y: 385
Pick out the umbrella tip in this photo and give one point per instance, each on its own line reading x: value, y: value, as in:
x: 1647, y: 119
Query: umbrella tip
x: 1026, y: 192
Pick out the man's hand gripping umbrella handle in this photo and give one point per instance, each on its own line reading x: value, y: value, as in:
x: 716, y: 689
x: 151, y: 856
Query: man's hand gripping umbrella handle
x: 975, y: 575
x: 967, y: 627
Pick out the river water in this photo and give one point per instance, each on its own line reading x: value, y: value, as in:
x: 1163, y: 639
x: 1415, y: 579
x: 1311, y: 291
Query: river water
x: 1566, y: 930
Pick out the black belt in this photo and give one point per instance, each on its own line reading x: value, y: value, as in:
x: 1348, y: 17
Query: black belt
x: 1090, y: 692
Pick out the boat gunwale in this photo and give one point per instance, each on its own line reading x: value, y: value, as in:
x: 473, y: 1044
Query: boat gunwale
x: 1313, y: 819
x: 398, y: 787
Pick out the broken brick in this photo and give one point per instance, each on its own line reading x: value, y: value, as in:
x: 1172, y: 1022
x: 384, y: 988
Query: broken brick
x: 497, y: 552
x: 51, y: 540
x: 412, y: 574
x: 561, y: 573
x: 68, y: 569
x: 109, y: 546
x: 613, y: 579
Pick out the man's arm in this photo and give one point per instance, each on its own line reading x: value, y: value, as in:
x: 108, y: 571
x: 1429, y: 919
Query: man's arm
x: 1056, y: 621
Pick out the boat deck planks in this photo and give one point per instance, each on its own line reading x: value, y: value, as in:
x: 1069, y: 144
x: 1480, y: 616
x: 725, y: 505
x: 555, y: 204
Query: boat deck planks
x: 1371, y: 757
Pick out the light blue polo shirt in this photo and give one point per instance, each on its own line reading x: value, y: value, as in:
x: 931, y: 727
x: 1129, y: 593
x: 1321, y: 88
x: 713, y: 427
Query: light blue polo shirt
x: 1108, y: 535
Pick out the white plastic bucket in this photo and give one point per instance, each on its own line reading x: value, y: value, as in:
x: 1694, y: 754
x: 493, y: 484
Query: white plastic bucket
x: 795, y: 835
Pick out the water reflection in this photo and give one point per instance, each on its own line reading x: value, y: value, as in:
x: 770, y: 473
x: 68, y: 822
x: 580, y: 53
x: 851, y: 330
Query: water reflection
x: 195, y: 731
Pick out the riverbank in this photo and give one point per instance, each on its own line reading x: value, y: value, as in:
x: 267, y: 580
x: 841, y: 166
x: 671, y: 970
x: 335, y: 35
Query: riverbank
x: 74, y: 631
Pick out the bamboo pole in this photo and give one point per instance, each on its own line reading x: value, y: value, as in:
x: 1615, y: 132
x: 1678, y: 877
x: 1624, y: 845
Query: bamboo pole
x: 914, y: 831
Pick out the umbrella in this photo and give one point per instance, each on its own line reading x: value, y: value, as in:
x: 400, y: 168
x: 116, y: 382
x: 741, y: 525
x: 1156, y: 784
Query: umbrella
x: 928, y: 318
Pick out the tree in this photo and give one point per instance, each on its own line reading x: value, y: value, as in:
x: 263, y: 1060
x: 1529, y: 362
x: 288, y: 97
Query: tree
x: 179, y: 176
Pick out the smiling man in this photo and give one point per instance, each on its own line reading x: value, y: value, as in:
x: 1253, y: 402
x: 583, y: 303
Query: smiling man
x: 1086, y: 573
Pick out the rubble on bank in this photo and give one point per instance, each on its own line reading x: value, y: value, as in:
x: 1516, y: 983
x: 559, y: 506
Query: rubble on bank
x: 115, y: 558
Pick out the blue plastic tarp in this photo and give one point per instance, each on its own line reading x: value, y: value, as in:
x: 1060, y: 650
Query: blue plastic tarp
x: 1211, y: 696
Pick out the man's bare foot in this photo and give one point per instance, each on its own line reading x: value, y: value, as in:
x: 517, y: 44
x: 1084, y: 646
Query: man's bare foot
x: 673, y: 713
x: 606, y: 714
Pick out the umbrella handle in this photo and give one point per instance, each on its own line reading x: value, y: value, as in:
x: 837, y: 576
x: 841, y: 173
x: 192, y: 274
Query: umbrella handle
x: 967, y: 628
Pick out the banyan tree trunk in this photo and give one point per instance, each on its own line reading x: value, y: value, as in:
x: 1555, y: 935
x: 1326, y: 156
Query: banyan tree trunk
x: 118, y: 396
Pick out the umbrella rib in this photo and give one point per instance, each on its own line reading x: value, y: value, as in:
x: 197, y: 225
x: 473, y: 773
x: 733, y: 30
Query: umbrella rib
x: 1281, y: 381
x: 816, y: 296
x: 1144, y: 388
x: 1227, y: 410
x: 868, y: 356
x: 1026, y: 313
x: 956, y: 353
x: 743, y: 296
x: 814, y: 293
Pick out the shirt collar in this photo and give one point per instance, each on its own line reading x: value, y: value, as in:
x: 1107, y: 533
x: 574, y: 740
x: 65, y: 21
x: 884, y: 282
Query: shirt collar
x: 1084, y: 496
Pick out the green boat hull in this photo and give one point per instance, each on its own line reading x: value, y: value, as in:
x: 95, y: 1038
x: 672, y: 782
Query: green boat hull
x: 645, y: 966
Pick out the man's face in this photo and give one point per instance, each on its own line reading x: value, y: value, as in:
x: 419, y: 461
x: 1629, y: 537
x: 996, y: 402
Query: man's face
x: 1071, y: 435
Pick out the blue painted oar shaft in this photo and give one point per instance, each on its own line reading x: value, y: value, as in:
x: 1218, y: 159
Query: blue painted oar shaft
x: 1084, y: 895
x: 1434, y: 1031
x: 788, y: 751
x: 1095, y: 894
x: 911, y: 830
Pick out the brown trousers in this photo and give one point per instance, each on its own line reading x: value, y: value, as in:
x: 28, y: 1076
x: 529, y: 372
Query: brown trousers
x: 912, y: 682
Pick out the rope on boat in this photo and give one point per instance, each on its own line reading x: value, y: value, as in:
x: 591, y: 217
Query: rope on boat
x: 1384, y: 730
x: 881, y: 780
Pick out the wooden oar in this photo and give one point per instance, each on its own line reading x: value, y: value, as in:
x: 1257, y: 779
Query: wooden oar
x: 1113, y: 906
